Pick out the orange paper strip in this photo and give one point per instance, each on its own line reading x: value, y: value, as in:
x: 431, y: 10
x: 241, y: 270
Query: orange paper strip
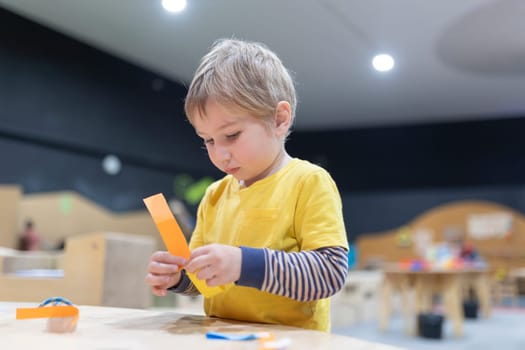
x: 167, y: 225
x: 46, y: 312
x: 174, y: 239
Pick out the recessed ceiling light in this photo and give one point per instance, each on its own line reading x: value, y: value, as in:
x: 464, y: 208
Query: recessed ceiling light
x: 383, y: 62
x: 174, y: 5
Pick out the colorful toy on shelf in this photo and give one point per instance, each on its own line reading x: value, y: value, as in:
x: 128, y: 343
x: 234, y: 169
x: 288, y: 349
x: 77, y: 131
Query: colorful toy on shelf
x: 404, y: 237
x: 413, y: 264
x: 418, y: 265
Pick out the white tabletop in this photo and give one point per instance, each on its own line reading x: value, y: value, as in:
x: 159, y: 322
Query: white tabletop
x: 119, y: 328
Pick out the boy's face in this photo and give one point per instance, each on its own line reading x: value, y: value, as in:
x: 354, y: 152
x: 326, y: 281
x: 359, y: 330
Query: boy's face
x: 239, y: 144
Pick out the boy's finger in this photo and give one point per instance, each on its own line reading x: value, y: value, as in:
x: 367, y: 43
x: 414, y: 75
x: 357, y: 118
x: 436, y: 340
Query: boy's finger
x: 152, y: 279
x: 213, y: 282
x: 197, y: 263
x: 156, y: 267
x: 167, y: 258
x: 205, y: 273
x: 199, y: 252
x: 158, y: 291
x: 155, y: 280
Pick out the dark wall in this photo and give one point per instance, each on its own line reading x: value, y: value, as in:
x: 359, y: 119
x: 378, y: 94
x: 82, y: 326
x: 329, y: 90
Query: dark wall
x: 64, y: 106
x: 480, y: 153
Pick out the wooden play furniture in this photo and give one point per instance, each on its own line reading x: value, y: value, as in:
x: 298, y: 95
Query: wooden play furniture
x: 103, y: 268
x: 506, y: 252
x: 503, y: 251
x: 426, y: 284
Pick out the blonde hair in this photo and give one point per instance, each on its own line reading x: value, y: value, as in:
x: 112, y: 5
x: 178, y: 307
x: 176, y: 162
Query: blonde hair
x: 241, y: 75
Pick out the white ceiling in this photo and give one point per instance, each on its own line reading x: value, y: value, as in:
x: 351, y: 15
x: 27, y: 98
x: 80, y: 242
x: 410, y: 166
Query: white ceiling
x: 455, y: 60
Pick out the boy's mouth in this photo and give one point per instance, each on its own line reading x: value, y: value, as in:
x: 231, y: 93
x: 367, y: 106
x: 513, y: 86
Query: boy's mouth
x: 231, y: 171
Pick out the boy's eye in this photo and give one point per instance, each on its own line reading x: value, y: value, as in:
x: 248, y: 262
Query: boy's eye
x: 208, y: 141
x: 233, y: 136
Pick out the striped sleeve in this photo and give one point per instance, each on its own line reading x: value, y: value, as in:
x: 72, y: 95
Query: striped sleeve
x: 302, y: 276
x: 185, y: 286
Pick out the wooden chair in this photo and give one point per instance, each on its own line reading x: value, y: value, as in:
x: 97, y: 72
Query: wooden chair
x: 505, y: 288
x: 357, y: 301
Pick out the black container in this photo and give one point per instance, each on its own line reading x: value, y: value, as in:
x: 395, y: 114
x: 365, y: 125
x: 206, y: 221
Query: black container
x: 430, y: 325
x: 470, y: 308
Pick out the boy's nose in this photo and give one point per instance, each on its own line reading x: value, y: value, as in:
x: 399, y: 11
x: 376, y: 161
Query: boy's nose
x: 224, y: 153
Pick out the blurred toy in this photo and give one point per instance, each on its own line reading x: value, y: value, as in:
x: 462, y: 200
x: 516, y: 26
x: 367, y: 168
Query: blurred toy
x: 267, y: 340
x: 418, y: 265
x: 404, y: 237
x: 468, y: 252
x: 413, y: 264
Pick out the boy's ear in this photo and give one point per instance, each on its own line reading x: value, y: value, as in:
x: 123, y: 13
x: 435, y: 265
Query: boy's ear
x: 283, y: 117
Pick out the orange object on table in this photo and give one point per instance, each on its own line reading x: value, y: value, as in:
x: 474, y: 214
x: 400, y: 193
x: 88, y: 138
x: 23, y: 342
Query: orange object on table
x: 61, y: 318
x: 46, y: 312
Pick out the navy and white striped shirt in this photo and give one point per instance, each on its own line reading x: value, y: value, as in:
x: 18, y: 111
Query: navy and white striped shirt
x: 302, y: 276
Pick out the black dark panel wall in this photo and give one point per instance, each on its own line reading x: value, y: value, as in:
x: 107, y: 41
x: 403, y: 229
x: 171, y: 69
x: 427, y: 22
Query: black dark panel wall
x: 57, y: 91
x: 64, y: 105
x: 43, y: 169
x: 480, y: 153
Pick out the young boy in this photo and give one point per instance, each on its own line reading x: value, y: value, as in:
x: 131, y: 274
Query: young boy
x: 273, y: 225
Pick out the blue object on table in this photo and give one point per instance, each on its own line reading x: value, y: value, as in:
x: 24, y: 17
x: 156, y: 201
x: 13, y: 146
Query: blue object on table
x: 230, y: 336
x: 56, y: 301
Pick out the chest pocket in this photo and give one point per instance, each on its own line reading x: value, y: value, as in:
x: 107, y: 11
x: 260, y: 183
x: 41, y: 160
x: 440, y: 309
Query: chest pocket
x: 261, y: 228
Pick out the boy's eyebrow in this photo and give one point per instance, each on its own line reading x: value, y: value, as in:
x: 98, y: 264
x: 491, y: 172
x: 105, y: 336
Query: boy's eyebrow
x: 224, y: 126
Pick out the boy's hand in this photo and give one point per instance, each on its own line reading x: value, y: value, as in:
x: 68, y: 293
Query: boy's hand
x: 164, y: 272
x: 218, y: 264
